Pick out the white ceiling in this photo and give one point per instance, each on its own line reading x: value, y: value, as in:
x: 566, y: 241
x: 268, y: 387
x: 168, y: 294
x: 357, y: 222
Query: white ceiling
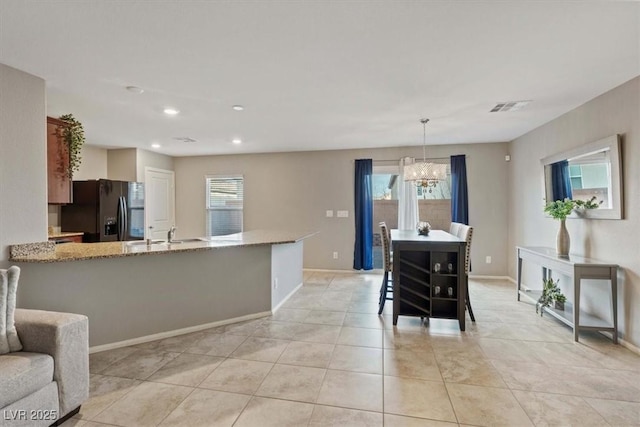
x: 316, y: 75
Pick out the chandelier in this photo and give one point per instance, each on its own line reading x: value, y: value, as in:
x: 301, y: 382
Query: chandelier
x: 423, y: 174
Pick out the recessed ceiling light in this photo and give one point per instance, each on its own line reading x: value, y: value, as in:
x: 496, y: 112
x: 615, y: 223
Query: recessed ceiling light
x: 237, y: 141
x: 135, y: 89
x: 171, y: 111
x: 238, y: 107
x: 156, y: 145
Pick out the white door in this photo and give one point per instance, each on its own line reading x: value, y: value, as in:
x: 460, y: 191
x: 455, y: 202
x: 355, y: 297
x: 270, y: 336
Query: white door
x: 159, y: 203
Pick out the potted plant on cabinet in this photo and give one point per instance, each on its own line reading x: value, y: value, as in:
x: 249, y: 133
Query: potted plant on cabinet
x: 561, y: 209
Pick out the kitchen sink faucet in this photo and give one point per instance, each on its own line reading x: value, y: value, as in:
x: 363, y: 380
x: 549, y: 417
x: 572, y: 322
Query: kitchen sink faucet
x: 171, y: 234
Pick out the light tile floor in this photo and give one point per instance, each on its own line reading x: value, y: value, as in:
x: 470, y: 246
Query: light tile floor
x: 326, y: 358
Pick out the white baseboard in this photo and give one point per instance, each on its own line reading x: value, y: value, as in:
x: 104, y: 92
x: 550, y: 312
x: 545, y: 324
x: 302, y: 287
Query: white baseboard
x: 630, y: 346
x: 381, y: 271
x: 320, y: 270
x: 276, y: 308
x: 175, y: 332
x: 482, y: 277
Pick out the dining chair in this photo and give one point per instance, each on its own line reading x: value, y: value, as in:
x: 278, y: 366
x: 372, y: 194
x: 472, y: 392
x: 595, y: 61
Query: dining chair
x: 465, y: 232
x: 387, y: 282
x: 455, y: 228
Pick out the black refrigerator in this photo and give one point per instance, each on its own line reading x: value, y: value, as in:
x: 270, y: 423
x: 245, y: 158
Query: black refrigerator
x: 105, y: 210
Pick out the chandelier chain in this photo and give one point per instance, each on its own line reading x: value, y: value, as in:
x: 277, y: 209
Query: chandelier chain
x: 424, y: 139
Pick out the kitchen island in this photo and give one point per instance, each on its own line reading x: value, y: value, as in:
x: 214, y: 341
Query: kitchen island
x: 133, y: 292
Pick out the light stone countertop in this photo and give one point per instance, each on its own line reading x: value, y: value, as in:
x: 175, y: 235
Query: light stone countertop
x: 83, y: 251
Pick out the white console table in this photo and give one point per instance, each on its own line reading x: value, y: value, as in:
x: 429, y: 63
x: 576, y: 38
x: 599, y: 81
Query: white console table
x: 578, y: 268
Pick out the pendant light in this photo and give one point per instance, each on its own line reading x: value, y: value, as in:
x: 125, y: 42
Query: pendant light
x: 425, y: 174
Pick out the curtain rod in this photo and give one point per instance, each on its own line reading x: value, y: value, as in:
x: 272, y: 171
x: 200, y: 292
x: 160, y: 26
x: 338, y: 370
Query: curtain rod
x: 398, y: 160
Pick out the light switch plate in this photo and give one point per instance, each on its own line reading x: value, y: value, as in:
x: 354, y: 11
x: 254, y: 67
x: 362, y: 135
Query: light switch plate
x: 343, y: 214
x: 329, y: 214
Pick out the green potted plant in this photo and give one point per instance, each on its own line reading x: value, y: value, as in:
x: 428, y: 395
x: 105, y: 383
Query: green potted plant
x: 73, y: 136
x: 551, y: 293
x: 561, y: 209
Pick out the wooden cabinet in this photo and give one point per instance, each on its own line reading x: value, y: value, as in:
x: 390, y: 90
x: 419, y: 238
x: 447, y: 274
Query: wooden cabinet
x: 58, y: 181
x: 66, y: 239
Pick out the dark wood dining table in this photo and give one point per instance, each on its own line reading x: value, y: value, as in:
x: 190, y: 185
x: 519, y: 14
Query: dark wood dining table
x: 429, y: 278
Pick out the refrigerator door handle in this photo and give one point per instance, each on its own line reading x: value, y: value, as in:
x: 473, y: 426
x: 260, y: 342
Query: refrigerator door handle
x: 125, y: 216
x: 120, y: 219
x: 118, y: 214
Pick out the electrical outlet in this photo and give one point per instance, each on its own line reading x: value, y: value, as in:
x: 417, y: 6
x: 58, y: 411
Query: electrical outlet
x: 488, y: 259
x: 335, y: 255
x: 275, y: 283
x: 329, y: 214
x: 343, y: 214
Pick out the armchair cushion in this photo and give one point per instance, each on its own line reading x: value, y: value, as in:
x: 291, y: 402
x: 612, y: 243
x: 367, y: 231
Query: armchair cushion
x: 22, y: 374
x: 9, y: 340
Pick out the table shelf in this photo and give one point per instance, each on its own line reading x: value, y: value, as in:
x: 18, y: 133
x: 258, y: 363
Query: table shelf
x: 414, y: 278
x: 414, y: 265
x: 587, y: 321
x: 416, y: 293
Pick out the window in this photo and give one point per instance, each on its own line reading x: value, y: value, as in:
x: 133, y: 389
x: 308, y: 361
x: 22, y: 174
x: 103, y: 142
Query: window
x: 441, y: 191
x: 385, y: 185
x: 225, y: 199
x: 433, y: 203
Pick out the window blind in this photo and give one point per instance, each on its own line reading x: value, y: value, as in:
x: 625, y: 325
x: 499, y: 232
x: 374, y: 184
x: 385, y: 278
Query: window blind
x: 224, y: 201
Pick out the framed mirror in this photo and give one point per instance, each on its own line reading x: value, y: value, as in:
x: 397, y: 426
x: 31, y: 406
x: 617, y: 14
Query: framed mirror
x: 592, y: 170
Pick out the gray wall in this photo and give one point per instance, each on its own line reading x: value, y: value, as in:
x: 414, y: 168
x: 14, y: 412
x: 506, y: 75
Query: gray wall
x: 150, y: 159
x: 292, y: 191
x: 94, y: 164
x: 128, y: 164
x: 23, y: 162
x: 617, y: 111
x: 121, y: 164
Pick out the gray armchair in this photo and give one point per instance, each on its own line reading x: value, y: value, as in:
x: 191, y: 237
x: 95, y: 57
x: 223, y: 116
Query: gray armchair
x: 46, y: 382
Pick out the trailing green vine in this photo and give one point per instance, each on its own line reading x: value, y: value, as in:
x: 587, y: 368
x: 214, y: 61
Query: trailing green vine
x: 73, y: 136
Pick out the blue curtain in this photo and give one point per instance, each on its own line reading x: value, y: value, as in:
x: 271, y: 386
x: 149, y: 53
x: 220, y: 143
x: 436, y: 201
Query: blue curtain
x: 459, y: 196
x: 560, y: 181
x: 363, y: 251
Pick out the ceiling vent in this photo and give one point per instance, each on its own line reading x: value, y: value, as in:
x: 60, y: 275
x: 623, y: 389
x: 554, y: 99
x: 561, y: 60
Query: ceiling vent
x: 184, y: 139
x: 509, y: 106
